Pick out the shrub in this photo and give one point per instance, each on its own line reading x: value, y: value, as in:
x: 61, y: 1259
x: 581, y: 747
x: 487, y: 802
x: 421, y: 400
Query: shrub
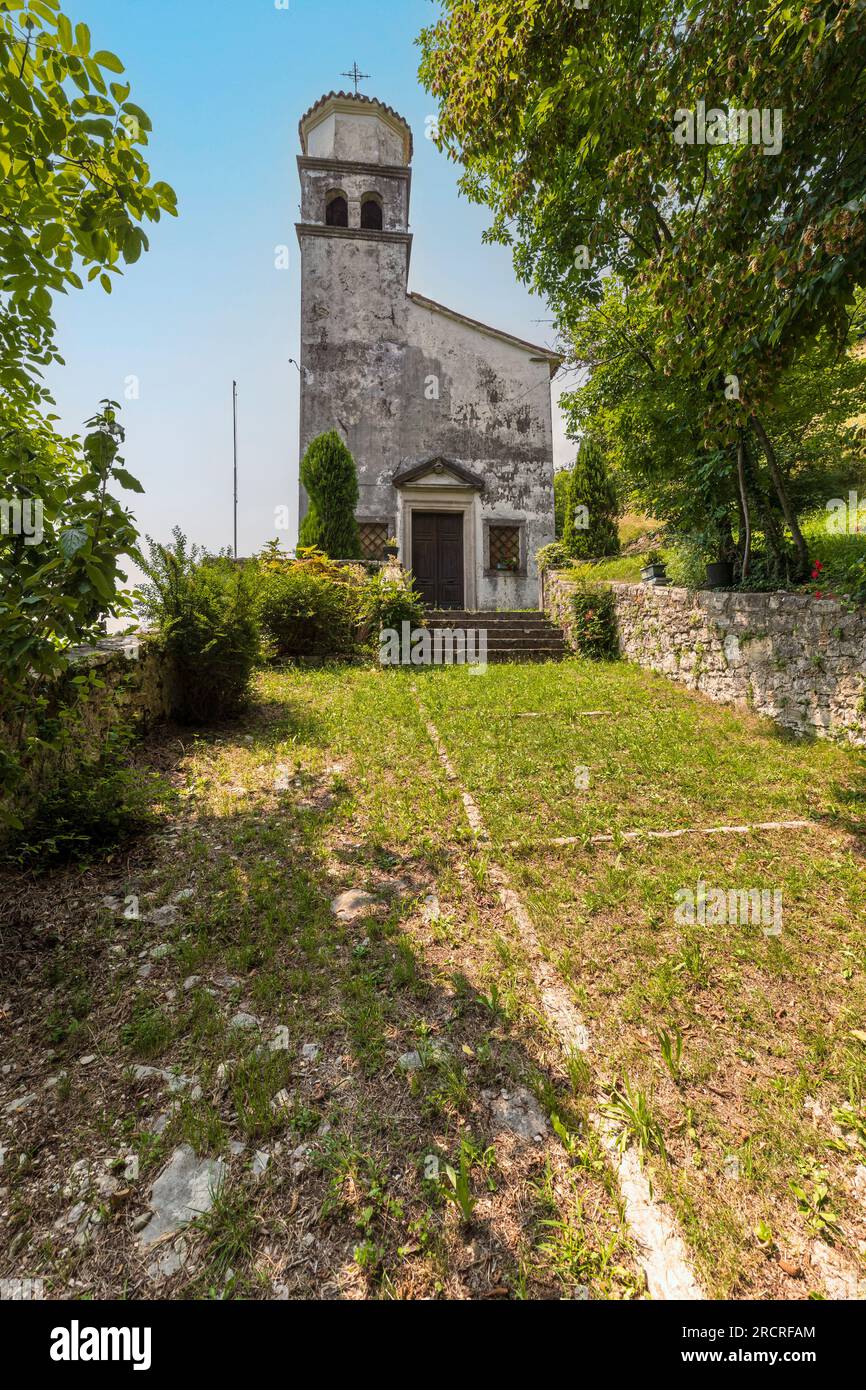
x: 204, y: 611
x: 854, y: 584
x: 83, y: 811
x: 594, y: 632
x: 330, y: 477
x: 307, y: 612
x: 555, y: 556
x: 387, y: 601
x: 312, y: 606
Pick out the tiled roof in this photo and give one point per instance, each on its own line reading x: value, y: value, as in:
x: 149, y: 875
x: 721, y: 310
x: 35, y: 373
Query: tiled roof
x: 363, y: 101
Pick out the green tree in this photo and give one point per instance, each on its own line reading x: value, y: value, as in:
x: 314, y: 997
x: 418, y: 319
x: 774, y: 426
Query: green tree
x: 650, y: 426
x: 74, y: 185
x: 74, y: 193
x: 590, y: 529
x: 330, y: 477
x: 62, y: 538
x: 561, y: 483
x: 572, y: 127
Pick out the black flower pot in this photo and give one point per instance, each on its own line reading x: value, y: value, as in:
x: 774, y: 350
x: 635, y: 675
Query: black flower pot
x: 391, y: 552
x: 721, y: 575
x: 650, y: 572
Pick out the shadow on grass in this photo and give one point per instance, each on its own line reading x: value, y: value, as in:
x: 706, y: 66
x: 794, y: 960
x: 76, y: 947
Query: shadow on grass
x: 263, y: 883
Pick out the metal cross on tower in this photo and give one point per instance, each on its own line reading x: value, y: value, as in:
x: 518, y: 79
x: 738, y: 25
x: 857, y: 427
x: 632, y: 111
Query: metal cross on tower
x: 356, y: 75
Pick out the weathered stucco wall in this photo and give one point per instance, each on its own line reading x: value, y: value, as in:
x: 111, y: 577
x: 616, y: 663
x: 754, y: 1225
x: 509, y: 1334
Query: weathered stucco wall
x: 798, y: 660
x: 401, y: 378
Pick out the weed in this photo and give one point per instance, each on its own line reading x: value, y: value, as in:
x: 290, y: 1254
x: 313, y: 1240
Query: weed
x: 149, y: 1029
x: 815, y: 1205
x: 630, y: 1109
x: 229, y: 1229
x: 457, y: 1187
x: 671, y: 1045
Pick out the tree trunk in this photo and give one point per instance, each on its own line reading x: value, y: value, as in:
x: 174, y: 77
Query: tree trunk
x: 746, y: 537
x: 785, y: 501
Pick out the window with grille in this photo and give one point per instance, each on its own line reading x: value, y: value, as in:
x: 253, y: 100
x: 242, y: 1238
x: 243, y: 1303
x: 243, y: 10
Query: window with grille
x: 374, y: 535
x: 505, y: 547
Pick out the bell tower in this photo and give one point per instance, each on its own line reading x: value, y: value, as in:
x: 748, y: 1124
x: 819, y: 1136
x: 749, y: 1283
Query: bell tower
x: 355, y: 173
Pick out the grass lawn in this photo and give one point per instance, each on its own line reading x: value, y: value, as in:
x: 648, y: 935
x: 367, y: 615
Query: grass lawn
x: 198, y: 988
x: 746, y: 1049
x: 656, y: 757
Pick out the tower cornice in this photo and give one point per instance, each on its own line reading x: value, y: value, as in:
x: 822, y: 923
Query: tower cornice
x: 350, y: 166
x: 303, y: 229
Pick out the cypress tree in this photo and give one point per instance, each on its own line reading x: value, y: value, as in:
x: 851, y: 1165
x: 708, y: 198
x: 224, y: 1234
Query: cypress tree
x: 330, y: 477
x: 590, y: 529
x: 561, y: 486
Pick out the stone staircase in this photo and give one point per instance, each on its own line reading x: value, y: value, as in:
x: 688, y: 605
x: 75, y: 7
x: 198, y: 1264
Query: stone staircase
x: 511, y: 636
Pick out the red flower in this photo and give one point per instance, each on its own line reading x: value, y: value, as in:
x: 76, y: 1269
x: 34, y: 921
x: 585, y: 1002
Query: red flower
x: 817, y: 570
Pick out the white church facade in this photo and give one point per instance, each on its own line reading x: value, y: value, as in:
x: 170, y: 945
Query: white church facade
x: 449, y: 420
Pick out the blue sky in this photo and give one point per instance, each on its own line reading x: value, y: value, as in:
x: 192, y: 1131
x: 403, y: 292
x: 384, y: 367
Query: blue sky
x: 225, y: 83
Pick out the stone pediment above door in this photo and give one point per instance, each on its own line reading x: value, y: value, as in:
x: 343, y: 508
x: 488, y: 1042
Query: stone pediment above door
x: 436, y: 471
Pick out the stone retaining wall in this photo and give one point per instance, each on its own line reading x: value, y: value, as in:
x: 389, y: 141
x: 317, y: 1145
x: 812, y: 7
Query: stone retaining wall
x: 132, y: 687
x: 798, y: 660
x: 135, y: 675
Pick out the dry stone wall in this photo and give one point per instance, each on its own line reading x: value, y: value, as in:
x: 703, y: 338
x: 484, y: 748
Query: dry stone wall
x: 132, y: 687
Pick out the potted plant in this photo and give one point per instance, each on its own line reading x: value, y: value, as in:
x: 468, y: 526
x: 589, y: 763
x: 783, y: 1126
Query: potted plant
x: 720, y: 575
x: 654, y: 568
x: 392, y: 548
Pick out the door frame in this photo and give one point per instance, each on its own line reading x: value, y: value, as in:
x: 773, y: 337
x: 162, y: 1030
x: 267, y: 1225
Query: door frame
x: 442, y: 499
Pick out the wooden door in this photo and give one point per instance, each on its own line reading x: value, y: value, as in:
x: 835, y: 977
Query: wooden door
x: 437, y: 557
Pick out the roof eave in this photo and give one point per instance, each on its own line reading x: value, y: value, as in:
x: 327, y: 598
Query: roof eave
x: 539, y: 354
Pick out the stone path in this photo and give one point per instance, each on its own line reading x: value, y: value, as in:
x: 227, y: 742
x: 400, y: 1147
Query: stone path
x: 660, y: 1249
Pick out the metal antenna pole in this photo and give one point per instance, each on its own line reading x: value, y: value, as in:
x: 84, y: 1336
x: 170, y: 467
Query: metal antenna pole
x: 235, y: 421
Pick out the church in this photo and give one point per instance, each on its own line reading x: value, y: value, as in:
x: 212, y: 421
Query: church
x: 449, y: 420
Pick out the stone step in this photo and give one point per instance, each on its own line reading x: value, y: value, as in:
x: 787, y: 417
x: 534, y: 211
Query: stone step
x: 499, y: 658
x: 544, y: 639
x: 526, y: 647
x: 546, y: 648
x: 518, y: 634
x: 468, y: 625
x: 489, y: 620
x: 512, y: 634
x: 521, y: 640
x: 491, y: 616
